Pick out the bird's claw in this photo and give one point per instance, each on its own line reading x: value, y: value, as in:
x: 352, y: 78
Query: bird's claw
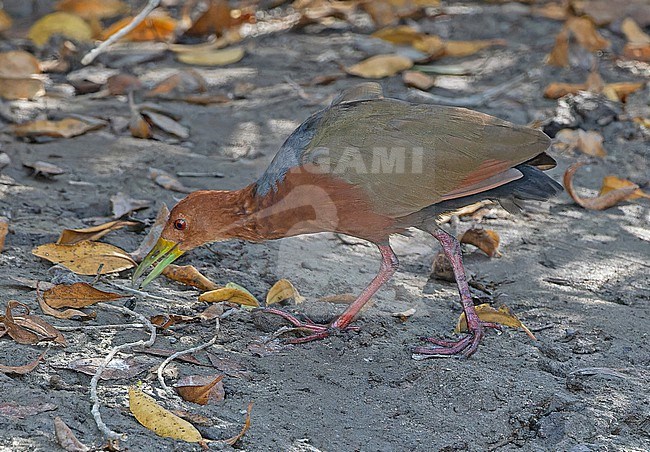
x: 314, y: 330
x: 464, y: 347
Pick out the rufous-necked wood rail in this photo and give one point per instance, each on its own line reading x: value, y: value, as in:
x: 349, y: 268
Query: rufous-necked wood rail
x: 369, y: 167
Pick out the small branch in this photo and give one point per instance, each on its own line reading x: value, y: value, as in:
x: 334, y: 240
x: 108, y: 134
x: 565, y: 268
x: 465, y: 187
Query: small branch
x: 108, y: 433
x: 90, y: 56
x: 170, y: 358
x: 101, y: 327
x: 137, y: 292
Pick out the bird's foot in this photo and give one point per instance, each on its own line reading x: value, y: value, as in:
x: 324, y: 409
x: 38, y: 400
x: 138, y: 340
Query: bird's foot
x: 465, y: 347
x: 314, y: 330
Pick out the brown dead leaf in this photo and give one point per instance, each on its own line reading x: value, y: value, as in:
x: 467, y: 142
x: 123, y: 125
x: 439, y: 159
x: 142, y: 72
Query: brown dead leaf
x: 201, y: 389
x: 586, y: 34
x: 138, y: 126
x: 588, y: 142
x: 93, y: 9
x: 247, y: 424
x: 24, y: 369
x: 72, y: 236
x: 502, y: 316
x: 123, y: 204
x: 559, y: 56
x: 64, y: 435
x: 23, y: 88
x: 164, y: 321
x: 419, y: 80
x: 86, y: 258
x: 605, y: 201
x: 466, y: 48
x: 117, y: 369
x: 380, y: 66
x: 5, y: 21
x: 121, y: 84
x: 17, y: 64
x: 28, y: 329
x: 65, y: 313
x: 556, y: 90
x: 611, y: 183
x: 190, y: 276
x: 152, y: 236
x: 618, y: 92
x: 634, y: 33
x: 215, y: 20
x: 158, y: 26
x: 64, y: 128
x: 184, y: 82
x: 4, y: 230
x: 442, y: 269
x: 165, y: 123
x: 486, y: 240
x: 167, y: 181
x: 211, y: 312
x: 639, y: 52
x: 77, y: 295
x: 282, y: 291
x: 232, y: 293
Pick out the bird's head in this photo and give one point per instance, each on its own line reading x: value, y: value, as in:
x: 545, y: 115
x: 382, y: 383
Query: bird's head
x: 202, y: 217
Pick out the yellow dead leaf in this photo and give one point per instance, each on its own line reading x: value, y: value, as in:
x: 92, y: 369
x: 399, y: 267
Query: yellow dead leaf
x: 201, y: 389
x: 159, y: 420
x: 60, y: 23
x: 634, y: 33
x: 602, y: 202
x: 281, y: 291
x: 611, y: 183
x: 4, y: 230
x: 486, y: 240
x: 401, y: 35
x: 556, y: 90
x: 93, y: 9
x: 380, y: 66
x: 502, y: 316
x: 553, y: 11
x: 77, y: 295
x: 639, y: 52
x: 23, y: 88
x: 431, y: 45
x: 5, y: 21
x: 418, y: 80
x: 86, y: 258
x: 586, y: 34
x: 158, y: 26
x: 618, y: 92
x: 559, y: 56
x: 217, y: 57
x: 588, y: 142
x: 18, y: 64
x: 466, y: 48
x: 64, y: 128
x: 189, y: 275
x: 232, y: 293
x: 72, y: 236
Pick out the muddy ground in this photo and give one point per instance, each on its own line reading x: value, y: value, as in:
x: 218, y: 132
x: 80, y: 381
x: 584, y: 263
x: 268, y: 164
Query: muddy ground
x: 577, y: 278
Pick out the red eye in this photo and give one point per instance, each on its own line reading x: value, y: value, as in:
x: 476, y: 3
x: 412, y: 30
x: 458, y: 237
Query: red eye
x: 181, y: 225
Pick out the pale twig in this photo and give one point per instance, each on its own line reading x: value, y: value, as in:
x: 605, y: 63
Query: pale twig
x: 137, y: 292
x: 170, y: 358
x: 101, y: 327
x: 108, y: 433
x: 90, y: 56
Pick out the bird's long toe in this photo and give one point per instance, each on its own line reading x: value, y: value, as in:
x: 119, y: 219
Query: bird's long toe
x: 313, y: 330
x: 465, y: 346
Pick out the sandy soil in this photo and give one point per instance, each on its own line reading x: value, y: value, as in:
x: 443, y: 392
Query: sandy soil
x: 577, y: 278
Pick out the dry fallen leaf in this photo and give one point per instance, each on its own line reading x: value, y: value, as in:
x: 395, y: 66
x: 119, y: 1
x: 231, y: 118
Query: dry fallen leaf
x: 164, y: 321
x: 634, y: 33
x: 639, y: 52
x: 43, y: 168
x: 232, y: 293
x: 138, y: 126
x: 466, y: 48
x: 442, y: 269
x: 167, y: 181
x: 23, y: 88
x: 281, y: 291
x: 247, y: 424
x: 4, y: 230
x: 486, y: 240
x: 28, y: 329
x: 214, y: 20
x: 586, y: 34
x: 66, y: 438
x: 618, y: 92
x: 72, y: 236
x: 185, y: 82
x: 60, y: 23
x: 122, y: 84
x: 215, y: 57
x: 380, y: 66
x: 65, y: 313
x: 605, y: 201
x: 559, y: 55
x: 17, y: 64
x: 189, y: 275
x: 24, y: 369
x: 404, y: 315
x: 553, y: 11
x: 611, y: 183
x: 117, y: 369
x: 93, y: 9
x: 502, y: 316
x: 5, y: 21
x: 64, y: 128
x: 419, y: 80
x: 158, y: 26
x: 159, y: 420
x: 152, y: 236
x: 201, y: 389
x: 165, y: 123
x: 86, y: 258
x: 77, y: 295
x: 123, y: 204
x: 587, y: 142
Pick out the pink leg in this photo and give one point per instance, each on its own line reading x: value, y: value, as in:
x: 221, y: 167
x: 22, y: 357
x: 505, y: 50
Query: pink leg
x: 389, y: 264
x: 469, y: 344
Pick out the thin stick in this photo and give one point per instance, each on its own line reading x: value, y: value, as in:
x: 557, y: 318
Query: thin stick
x: 101, y: 327
x: 170, y: 358
x: 108, y: 433
x: 90, y: 56
x: 137, y: 292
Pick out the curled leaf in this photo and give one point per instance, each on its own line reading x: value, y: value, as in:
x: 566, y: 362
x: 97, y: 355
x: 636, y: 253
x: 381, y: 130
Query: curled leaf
x: 65, y: 313
x: 201, y: 389
x: 24, y: 369
x: 404, y: 315
x: 77, y: 295
x: 28, y: 329
x: 486, y: 240
x: 64, y: 128
x: 189, y: 275
x: 611, y: 183
x: 159, y: 420
x: 602, y: 202
x: 86, y: 258
x: 232, y: 293
x: 502, y: 316
x: 4, y: 230
x: 281, y: 291
x: 72, y: 236
x: 587, y: 142
x: 66, y: 438
x: 60, y: 23
x: 380, y: 66
x: 247, y: 424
